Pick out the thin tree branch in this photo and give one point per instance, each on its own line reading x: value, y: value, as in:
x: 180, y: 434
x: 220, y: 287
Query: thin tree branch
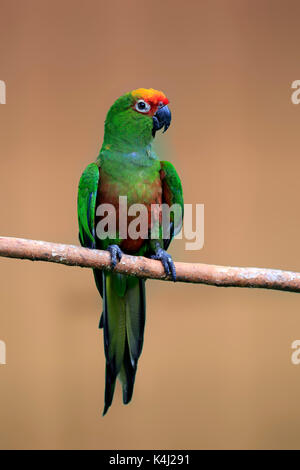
x: 224, y: 276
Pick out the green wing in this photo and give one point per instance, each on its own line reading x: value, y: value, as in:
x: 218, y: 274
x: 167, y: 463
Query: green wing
x: 86, y: 205
x: 172, y: 194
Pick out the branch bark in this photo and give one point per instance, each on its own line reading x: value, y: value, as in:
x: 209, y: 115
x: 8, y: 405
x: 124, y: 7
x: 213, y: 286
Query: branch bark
x: 221, y: 276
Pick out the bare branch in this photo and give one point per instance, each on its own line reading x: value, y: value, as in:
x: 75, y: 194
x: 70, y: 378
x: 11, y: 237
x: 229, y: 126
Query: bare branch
x: 224, y: 276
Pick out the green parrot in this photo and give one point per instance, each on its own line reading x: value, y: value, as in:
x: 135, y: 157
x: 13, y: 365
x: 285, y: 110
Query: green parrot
x: 128, y: 166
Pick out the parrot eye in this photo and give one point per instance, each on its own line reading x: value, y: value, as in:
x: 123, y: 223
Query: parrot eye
x: 142, y: 106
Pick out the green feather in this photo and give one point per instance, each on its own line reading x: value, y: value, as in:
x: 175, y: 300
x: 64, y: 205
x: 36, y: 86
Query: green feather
x: 124, y: 322
x: 86, y: 202
x: 114, y: 333
x: 135, y: 317
x: 129, y: 167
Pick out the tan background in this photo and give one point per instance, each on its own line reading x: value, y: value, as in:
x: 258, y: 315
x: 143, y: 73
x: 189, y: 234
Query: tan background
x: 216, y: 369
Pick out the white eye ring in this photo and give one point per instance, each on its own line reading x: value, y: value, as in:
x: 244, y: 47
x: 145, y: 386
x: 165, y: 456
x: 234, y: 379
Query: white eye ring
x: 142, y: 106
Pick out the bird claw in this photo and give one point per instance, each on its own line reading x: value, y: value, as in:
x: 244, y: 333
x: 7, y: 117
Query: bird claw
x: 167, y: 262
x: 116, y: 254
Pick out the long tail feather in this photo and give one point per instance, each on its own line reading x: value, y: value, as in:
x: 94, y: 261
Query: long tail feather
x: 123, y: 322
x: 127, y: 376
x: 114, y: 326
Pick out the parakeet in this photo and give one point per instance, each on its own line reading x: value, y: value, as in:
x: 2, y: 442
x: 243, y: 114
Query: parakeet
x: 128, y: 166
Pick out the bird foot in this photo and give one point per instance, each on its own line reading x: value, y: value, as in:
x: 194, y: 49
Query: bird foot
x: 167, y: 262
x: 116, y: 254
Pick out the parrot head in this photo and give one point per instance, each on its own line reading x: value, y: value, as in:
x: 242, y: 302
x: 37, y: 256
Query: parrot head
x: 136, y: 116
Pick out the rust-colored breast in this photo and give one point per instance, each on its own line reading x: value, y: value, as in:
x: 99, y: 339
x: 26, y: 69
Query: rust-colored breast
x: 140, y: 192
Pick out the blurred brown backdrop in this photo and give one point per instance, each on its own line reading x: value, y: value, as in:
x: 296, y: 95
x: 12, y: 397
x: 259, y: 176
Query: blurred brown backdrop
x: 216, y: 369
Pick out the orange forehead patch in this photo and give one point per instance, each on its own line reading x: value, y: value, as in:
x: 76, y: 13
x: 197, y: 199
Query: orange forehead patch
x: 151, y: 96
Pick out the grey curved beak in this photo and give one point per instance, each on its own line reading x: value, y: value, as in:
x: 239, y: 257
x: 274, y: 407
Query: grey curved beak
x: 161, y: 119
